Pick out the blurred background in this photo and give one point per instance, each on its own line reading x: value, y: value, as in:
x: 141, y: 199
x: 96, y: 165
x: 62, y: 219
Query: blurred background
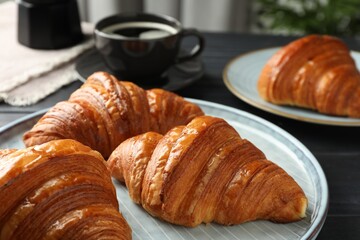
x: 335, y: 17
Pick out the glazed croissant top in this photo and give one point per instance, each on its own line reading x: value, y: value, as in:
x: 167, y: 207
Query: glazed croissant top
x: 315, y: 72
x: 58, y: 190
x: 205, y: 172
x: 104, y: 112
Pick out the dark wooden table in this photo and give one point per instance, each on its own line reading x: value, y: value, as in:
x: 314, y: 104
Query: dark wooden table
x: 336, y: 148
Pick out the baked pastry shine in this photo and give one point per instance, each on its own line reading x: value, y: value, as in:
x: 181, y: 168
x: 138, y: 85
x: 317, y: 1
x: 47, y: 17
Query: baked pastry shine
x: 205, y: 172
x: 58, y: 190
x: 104, y: 112
x: 315, y: 72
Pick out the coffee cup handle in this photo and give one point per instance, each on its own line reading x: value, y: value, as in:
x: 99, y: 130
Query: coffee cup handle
x: 197, y: 49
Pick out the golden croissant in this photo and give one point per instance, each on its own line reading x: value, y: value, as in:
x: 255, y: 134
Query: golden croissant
x: 58, y: 190
x: 205, y: 172
x: 104, y: 112
x: 315, y: 72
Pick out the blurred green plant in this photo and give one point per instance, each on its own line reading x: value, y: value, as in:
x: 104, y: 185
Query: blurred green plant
x: 333, y: 17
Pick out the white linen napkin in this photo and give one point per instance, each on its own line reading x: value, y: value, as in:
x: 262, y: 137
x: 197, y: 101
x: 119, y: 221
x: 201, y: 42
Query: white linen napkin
x: 29, y: 75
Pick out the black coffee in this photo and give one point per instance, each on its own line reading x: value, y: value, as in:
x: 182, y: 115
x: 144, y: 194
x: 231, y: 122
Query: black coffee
x: 142, y: 30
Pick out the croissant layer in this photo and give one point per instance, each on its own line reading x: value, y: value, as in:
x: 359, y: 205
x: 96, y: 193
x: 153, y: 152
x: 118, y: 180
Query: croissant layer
x: 105, y: 111
x: 58, y: 190
x: 205, y: 172
x: 315, y: 72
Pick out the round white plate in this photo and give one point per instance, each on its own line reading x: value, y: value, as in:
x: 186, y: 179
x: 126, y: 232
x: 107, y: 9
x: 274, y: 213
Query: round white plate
x: 278, y: 145
x: 241, y: 75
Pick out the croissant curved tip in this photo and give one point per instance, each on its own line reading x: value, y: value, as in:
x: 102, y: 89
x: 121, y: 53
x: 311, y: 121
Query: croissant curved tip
x: 293, y: 211
x: 303, y: 207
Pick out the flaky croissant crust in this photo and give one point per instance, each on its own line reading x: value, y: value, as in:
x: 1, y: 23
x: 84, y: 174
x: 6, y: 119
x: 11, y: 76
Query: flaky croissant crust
x: 58, y: 190
x: 205, y: 172
x: 105, y: 111
x: 315, y: 72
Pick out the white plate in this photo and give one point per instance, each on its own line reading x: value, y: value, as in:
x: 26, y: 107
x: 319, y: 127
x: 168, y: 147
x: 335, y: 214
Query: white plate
x: 278, y: 145
x: 241, y: 75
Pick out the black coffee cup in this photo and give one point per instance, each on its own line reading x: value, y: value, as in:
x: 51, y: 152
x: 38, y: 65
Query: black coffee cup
x: 142, y: 45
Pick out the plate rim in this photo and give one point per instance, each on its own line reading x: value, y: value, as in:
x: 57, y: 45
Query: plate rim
x: 24, y: 118
x: 258, y: 105
x: 315, y: 226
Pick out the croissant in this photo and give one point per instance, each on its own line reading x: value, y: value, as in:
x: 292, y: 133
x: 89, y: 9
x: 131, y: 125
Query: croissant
x: 315, y: 72
x: 58, y: 190
x: 205, y: 172
x: 104, y: 112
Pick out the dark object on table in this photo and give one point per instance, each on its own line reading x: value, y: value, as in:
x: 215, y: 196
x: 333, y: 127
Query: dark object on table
x: 177, y: 77
x: 50, y: 24
x: 141, y: 45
